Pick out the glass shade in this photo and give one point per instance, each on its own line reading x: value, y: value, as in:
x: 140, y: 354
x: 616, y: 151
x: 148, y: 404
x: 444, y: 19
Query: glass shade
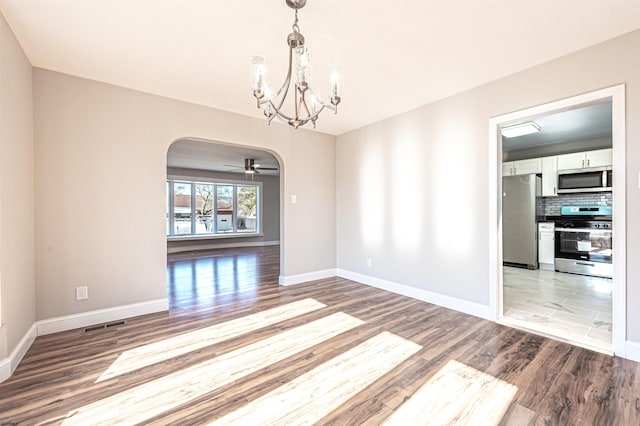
x: 258, y: 74
x: 302, y: 66
x: 335, y: 84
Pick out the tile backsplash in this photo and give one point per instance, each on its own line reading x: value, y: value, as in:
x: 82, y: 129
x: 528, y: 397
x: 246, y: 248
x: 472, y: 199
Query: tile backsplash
x: 550, y: 206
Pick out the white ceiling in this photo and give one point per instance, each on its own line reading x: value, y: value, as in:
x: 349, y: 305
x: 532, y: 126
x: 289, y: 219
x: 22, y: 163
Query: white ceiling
x: 199, y: 155
x: 394, y: 56
x: 585, y: 123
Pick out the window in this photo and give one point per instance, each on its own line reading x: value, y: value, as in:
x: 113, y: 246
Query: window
x: 182, y: 208
x: 208, y: 208
x: 247, y: 208
x: 204, y: 208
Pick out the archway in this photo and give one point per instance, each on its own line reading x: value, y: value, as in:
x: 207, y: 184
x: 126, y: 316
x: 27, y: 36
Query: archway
x: 222, y: 196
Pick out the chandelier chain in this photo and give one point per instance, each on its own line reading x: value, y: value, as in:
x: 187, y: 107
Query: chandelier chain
x: 295, y: 27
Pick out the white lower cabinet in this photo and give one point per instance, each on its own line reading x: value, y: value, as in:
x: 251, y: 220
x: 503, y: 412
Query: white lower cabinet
x: 546, y: 245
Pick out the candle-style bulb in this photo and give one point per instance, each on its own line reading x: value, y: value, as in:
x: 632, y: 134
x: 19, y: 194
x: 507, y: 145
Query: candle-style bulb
x: 335, y: 87
x: 258, y: 76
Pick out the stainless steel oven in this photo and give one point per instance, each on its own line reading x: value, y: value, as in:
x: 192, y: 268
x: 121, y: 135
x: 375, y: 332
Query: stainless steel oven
x: 583, y: 242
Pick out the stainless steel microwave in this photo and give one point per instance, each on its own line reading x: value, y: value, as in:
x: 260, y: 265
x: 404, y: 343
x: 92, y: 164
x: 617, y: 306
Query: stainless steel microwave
x: 585, y: 180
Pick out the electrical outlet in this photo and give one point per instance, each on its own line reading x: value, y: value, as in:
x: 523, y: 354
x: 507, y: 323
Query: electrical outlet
x: 82, y: 293
x: 369, y: 263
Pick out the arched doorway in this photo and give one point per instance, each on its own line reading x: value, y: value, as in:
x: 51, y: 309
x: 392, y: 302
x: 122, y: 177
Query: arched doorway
x: 221, y: 199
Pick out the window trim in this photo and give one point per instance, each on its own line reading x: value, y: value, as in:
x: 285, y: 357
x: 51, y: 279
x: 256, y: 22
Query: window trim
x: 214, y: 181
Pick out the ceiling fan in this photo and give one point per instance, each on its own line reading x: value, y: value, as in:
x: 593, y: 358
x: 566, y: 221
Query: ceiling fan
x: 251, y: 167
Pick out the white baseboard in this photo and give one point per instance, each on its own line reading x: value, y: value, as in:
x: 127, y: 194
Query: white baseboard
x: 70, y: 322
x: 449, y: 302
x: 9, y: 364
x: 172, y: 250
x: 285, y: 280
x: 632, y: 351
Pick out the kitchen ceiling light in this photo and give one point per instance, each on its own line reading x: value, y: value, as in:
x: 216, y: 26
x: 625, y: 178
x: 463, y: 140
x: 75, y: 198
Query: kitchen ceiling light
x: 307, y: 105
x: 520, y: 129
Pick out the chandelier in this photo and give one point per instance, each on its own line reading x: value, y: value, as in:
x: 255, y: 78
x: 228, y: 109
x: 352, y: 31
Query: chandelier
x: 307, y: 106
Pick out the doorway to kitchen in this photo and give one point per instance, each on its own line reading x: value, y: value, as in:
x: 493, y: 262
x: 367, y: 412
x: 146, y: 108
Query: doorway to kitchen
x: 558, y: 217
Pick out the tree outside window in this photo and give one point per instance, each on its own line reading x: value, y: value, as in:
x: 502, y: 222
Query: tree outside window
x: 218, y: 208
x: 247, y: 207
x: 204, y: 206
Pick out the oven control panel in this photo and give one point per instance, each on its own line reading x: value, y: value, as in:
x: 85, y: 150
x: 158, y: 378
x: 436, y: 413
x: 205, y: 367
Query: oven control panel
x: 602, y: 225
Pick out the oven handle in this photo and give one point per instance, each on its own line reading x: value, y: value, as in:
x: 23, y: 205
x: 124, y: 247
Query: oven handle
x: 603, y: 231
x: 585, y: 264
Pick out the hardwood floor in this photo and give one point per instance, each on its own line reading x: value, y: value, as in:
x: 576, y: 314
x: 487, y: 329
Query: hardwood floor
x: 236, y: 348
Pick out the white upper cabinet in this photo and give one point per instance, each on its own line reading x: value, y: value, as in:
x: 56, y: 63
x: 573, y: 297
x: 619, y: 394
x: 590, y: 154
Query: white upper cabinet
x: 550, y: 176
x: 581, y: 160
x: 522, y: 167
x: 571, y: 161
x: 600, y: 158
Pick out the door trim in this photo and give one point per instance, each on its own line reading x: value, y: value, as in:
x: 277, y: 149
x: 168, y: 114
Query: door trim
x: 617, y: 96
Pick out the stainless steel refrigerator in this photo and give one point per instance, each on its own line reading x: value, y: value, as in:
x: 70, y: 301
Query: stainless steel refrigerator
x: 519, y: 230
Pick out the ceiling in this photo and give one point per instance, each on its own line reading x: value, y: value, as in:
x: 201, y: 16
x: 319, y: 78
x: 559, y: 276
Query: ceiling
x: 393, y: 56
x: 581, y: 124
x: 199, y: 155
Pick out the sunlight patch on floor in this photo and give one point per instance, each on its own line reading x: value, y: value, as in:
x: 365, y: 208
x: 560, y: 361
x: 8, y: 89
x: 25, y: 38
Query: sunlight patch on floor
x: 456, y: 394
x: 165, y: 349
x: 143, y: 402
x: 313, y: 395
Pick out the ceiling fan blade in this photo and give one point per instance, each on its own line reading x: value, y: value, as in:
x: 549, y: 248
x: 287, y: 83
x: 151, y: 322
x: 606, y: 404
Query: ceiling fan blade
x: 268, y: 168
x: 233, y: 165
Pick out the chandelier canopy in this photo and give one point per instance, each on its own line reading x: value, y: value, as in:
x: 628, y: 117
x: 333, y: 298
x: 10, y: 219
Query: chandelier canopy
x: 307, y: 106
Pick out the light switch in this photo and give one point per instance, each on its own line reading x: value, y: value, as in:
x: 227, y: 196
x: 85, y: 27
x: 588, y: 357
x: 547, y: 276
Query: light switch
x: 294, y: 199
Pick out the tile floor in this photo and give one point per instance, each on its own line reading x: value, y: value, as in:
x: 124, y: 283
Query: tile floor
x: 575, y: 308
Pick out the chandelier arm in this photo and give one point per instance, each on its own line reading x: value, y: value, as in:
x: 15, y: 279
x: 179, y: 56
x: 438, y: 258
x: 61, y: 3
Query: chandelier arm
x: 320, y: 101
x: 286, y: 119
x: 286, y: 84
x: 270, y: 117
x: 312, y: 117
x: 299, y: 105
x: 279, y: 114
x: 306, y: 108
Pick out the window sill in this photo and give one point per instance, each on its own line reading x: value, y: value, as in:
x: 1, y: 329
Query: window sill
x: 211, y: 236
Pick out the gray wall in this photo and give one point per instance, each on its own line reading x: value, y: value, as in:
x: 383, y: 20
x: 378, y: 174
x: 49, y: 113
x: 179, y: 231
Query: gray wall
x: 115, y: 242
x: 270, y: 211
x: 413, y: 190
x: 17, y: 281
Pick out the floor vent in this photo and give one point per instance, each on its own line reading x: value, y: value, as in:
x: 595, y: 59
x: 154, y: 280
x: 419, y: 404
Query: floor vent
x: 104, y: 326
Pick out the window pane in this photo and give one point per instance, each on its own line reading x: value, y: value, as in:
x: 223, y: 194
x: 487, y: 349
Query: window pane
x: 204, y: 208
x: 182, y: 208
x: 247, y: 208
x: 224, y: 204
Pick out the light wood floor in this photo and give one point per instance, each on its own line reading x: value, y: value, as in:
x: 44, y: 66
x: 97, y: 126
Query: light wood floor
x: 236, y: 348
x: 576, y: 308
